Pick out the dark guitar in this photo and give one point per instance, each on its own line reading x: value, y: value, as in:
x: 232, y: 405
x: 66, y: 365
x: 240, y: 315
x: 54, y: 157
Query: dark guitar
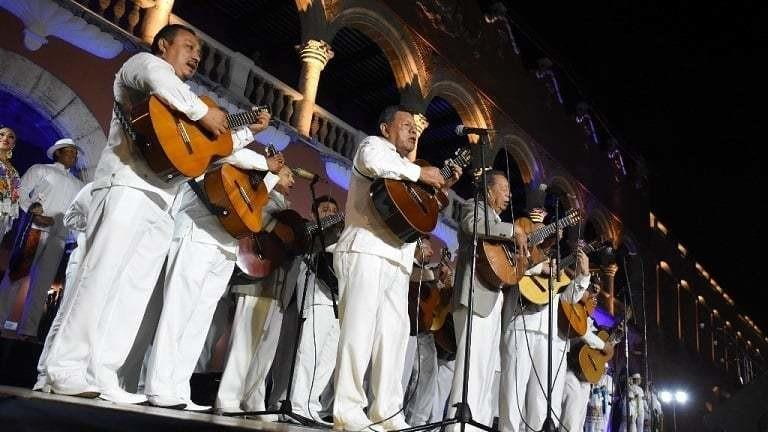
x: 240, y: 194
x: 500, y: 266
x: 410, y: 209
x: 261, y: 253
x: 175, y: 146
x: 427, y: 299
x: 591, y: 362
x: 536, y: 290
x: 574, y: 315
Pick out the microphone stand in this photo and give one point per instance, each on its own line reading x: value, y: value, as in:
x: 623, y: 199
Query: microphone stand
x: 627, y: 302
x: 286, y: 409
x: 554, y: 264
x: 463, y: 414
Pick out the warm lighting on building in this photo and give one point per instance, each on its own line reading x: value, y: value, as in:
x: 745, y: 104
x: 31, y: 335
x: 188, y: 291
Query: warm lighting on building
x: 683, y: 251
x: 653, y: 220
x: 664, y: 266
x: 684, y: 284
x: 660, y: 226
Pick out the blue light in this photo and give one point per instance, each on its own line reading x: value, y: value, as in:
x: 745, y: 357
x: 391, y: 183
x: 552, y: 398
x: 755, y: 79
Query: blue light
x: 272, y: 135
x: 603, y: 318
x: 339, y: 173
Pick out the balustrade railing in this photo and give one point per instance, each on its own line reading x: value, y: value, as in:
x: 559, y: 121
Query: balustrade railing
x: 126, y: 14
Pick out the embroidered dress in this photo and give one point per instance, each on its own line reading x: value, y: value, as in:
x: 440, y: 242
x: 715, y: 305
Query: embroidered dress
x: 9, y: 196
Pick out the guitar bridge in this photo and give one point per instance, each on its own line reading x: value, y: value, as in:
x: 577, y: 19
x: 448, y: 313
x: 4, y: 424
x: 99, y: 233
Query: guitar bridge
x: 184, y: 136
x: 245, y: 196
x: 415, y: 195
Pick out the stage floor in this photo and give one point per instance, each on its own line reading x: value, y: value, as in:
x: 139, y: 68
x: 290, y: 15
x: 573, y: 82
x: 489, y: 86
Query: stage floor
x: 26, y: 410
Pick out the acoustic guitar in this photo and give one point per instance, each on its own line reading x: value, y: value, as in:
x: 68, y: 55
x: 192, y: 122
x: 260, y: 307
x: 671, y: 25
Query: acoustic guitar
x: 411, y: 209
x: 536, y: 289
x: 429, y: 298
x: 261, y: 253
x: 173, y: 145
x: 500, y: 266
x: 240, y: 194
x: 574, y: 315
x: 591, y: 362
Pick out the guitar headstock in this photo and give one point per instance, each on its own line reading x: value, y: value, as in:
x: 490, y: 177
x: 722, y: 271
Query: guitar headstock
x: 572, y: 217
x: 462, y: 157
x: 445, y: 256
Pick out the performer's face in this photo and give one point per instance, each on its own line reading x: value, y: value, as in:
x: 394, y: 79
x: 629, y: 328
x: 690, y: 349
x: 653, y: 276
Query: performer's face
x: 66, y: 156
x: 498, y: 193
x: 401, y: 132
x: 182, y: 52
x: 424, y: 252
x: 326, y: 209
x: 7, y: 139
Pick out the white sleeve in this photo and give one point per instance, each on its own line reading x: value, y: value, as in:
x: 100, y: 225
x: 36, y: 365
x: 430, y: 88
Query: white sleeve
x: 153, y: 75
x: 575, y: 290
x: 241, y: 137
x: 29, y: 180
x: 246, y: 158
x: 593, y: 340
x: 76, y: 216
x: 374, y: 159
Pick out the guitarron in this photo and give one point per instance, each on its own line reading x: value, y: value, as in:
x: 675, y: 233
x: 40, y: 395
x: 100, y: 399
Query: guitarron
x: 410, y: 209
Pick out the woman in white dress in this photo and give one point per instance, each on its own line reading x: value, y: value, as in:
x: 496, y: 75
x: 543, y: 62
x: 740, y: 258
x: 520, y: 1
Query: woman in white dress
x: 9, y: 181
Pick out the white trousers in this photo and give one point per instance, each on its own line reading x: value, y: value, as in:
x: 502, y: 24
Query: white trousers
x: 523, y: 386
x: 374, y: 329
x: 65, y: 307
x: 445, y: 372
x: 484, y: 356
x: 316, y: 359
x: 421, y: 362
x: 255, y: 332
x: 220, y: 326
x: 128, y: 239
x: 574, y: 405
x: 45, y: 264
x: 195, y: 278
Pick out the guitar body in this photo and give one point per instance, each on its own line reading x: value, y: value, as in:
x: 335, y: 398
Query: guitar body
x: 445, y: 339
x: 573, y: 318
x: 498, y: 266
x: 259, y: 255
x: 427, y: 305
x: 290, y: 229
x: 172, y: 144
x: 232, y: 189
x: 535, y: 289
x: 409, y: 209
x: 592, y: 362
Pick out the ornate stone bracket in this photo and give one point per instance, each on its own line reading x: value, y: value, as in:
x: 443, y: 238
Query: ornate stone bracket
x: 43, y: 18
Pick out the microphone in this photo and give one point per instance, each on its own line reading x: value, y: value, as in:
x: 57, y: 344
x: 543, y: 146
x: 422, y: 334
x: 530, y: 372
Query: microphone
x: 301, y: 172
x: 462, y: 130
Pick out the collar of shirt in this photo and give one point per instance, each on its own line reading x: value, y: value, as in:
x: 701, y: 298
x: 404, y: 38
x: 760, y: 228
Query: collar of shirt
x: 60, y: 166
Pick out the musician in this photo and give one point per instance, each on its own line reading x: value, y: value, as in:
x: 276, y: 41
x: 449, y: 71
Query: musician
x: 258, y: 320
x: 75, y: 218
x: 373, y: 267
x: 9, y: 181
x: 45, y: 192
x: 133, y: 207
x: 199, y: 266
x: 576, y: 392
x: 599, y: 406
x: 524, y: 346
x: 637, y: 404
x: 319, y: 340
x: 487, y: 302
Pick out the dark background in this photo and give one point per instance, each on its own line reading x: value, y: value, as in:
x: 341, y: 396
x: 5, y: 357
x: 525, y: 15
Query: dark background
x: 683, y: 85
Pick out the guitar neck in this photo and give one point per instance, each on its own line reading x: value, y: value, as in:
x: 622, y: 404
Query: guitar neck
x: 244, y: 118
x: 462, y: 160
x: 540, y: 234
x: 311, y: 228
x: 571, y: 259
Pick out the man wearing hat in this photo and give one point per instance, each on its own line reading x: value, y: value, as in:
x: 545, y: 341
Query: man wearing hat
x: 45, y: 193
x: 634, y: 421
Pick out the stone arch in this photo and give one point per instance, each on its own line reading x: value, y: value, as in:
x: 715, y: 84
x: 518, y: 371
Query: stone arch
x: 56, y: 102
x: 604, y: 224
x: 388, y: 31
x: 571, y: 190
x: 466, y: 105
x: 521, y: 152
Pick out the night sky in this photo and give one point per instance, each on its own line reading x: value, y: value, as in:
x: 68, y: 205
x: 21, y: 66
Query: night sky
x: 682, y: 85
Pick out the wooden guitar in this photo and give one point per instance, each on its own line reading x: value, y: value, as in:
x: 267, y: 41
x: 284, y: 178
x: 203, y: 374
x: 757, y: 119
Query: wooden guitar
x: 429, y: 298
x: 536, y: 290
x: 261, y: 253
x: 174, y: 145
x: 241, y: 194
x: 591, y: 362
x: 500, y: 267
x: 410, y: 209
x: 574, y: 315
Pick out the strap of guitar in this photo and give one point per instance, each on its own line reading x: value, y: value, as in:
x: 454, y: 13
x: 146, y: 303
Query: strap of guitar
x: 213, y: 208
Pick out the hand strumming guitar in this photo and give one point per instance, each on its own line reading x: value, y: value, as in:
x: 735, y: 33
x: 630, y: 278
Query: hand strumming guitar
x: 262, y: 121
x: 457, y: 171
x: 275, y: 163
x: 607, y: 349
x: 582, y: 263
x: 520, y: 238
x: 431, y: 176
x: 215, y: 121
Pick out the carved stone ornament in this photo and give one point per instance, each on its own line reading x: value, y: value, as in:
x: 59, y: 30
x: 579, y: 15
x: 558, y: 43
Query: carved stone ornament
x: 44, y: 18
x: 316, y: 50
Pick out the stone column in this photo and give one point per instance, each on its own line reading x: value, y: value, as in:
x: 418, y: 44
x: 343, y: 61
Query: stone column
x: 314, y: 56
x: 421, y: 123
x: 609, y: 273
x: 155, y: 18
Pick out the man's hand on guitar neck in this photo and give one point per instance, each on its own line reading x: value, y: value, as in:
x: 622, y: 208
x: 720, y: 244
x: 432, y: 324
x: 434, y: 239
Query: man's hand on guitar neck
x: 262, y: 122
x: 215, y: 121
x: 275, y: 163
x: 431, y: 176
x: 455, y: 176
x: 607, y: 349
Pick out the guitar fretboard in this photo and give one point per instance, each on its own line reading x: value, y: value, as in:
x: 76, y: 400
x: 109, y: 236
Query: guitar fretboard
x: 245, y: 117
x: 540, y: 234
x: 327, y: 221
x: 461, y: 160
x: 571, y: 259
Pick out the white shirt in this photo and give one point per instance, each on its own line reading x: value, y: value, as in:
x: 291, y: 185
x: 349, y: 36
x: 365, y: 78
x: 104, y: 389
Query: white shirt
x: 142, y: 75
x: 76, y: 216
x: 365, y: 230
x: 54, y: 187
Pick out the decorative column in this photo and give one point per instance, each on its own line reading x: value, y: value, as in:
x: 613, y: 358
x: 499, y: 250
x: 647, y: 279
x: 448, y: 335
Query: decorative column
x: 421, y: 123
x: 156, y: 17
x: 609, y: 273
x: 314, y: 56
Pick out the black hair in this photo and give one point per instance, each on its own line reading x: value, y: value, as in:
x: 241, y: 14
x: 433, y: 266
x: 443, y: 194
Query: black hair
x: 168, y: 33
x: 322, y: 199
x: 388, y: 114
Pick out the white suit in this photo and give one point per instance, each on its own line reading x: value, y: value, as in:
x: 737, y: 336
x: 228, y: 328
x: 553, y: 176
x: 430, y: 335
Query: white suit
x: 523, y: 386
x: 128, y: 238
x: 200, y: 263
x: 637, y: 406
x: 54, y: 187
x: 373, y: 267
x: 576, y: 392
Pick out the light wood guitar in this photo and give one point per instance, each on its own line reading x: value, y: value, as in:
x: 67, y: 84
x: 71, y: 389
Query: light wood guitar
x: 500, y: 266
x: 173, y: 145
x: 536, y: 289
x: 411, y: 209
x: 574, y: 316
x: 591, y: 362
